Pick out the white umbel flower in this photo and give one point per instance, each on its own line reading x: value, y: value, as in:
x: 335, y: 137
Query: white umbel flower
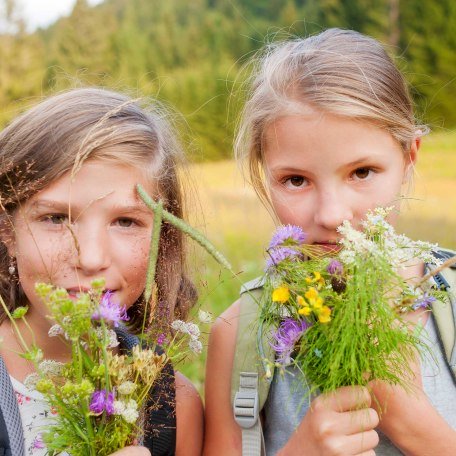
x: 126, y: 388
x: 55, y: 330
x: 130, y: 415
x: 195, y: 346
x: 204, y: 317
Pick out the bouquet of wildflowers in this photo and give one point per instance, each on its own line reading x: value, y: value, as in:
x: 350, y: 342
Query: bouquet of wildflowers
x: 98, y: 398
x: 338, y: 316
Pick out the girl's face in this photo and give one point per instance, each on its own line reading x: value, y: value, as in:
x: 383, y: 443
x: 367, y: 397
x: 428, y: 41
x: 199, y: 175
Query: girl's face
x: 77, y: 230
x: 323, y: 169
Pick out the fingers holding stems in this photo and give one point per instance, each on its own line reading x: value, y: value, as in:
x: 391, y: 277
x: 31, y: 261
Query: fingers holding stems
x: 338, y: 423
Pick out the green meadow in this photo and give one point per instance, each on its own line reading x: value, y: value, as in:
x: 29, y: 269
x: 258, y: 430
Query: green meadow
x: 230, y: 214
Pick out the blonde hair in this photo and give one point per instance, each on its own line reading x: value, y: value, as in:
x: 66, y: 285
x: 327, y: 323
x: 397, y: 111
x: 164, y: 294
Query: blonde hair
x: 56, y: 136
x: 340, y: 72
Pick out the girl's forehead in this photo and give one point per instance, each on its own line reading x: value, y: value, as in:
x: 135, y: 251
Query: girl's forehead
x: 95, y: 183
x: 327, y: 131
x: 327, y: 142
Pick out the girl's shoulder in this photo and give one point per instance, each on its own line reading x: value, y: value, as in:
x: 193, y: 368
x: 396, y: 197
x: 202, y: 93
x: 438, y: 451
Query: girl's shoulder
x: 222, y: 343
x: 221, y: 430
x: 224, y: 329
x: 189, y: 418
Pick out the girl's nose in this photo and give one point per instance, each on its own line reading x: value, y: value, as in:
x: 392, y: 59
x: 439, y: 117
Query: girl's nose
x: 92, y: 249
x: 332, y: 209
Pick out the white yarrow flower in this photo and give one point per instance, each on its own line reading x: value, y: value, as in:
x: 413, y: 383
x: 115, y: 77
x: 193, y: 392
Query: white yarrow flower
x: 126, y: 388
x: 31, y: 380
x: 204, y: 317
x: 55, y: 330
x: 130, y: 415
x: 132, y: 404
x: 179, y: 325
x: 50, y: 367
x: 193, y: 330
x: 112, y: 336
x: 119, y: 407
x: 195, y: 346
x: 397, y: 249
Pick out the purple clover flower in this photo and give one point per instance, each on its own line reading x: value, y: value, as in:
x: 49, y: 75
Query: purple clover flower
x: 424, y: 302
x: 287, y: 235
x: 335, y: 267
x: 285, y: 338
x: 278, y: 254
x: 102, y: 401
x: 38, y: 443
x: 110, y: 311
x: 161, y: 339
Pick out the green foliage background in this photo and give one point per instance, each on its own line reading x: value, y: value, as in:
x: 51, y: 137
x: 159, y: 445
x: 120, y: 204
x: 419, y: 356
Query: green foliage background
x: 189, y: 53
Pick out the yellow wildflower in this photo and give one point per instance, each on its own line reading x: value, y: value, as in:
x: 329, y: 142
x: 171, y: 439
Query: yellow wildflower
x: 281, y: 294
x: 311, y: 293
x: 317, y: 279
x: 324, y: 316
x: 313, y: 297
x: 305, y: 310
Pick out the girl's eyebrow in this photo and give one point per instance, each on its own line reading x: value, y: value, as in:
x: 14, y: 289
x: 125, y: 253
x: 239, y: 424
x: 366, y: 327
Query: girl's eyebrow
x: 49, y: 204
x: 285, y: 169
x: 132, y: 208
x: 358, y: 161
x: 63, y: 206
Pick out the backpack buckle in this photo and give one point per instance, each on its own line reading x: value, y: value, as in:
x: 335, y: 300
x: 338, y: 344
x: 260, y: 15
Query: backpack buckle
x: 245, y: 408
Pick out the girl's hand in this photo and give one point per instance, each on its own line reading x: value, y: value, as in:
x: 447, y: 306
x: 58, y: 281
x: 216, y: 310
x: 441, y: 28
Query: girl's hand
x: 340, y: 423
x: 132, y: 451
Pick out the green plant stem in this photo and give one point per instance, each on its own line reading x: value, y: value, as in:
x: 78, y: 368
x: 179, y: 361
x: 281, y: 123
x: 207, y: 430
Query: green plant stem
x: 185, y: 228
x: 29, y: 328
x: 105, y: 358
x: 107, y: 376
x: 153, y: 256
x: 83, y: 406
x: 16, y: 328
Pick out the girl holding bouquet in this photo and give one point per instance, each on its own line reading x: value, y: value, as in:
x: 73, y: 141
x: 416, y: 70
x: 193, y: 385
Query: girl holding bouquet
x: 70, y: 214
x: 328, y: 133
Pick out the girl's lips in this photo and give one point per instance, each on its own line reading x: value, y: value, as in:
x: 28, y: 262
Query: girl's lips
x: 76, y: 291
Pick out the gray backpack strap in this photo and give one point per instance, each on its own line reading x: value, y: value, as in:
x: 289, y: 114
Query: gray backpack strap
x: 250, y: 382
x: 10, y: 413
x: 444, y: 312
x: 246, y: 414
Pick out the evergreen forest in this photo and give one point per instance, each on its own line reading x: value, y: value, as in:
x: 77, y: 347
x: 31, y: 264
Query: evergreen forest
x: 190, y: 53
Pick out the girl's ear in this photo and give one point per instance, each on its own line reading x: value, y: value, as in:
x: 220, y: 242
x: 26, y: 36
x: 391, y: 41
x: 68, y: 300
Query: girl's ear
x: 412, y: 156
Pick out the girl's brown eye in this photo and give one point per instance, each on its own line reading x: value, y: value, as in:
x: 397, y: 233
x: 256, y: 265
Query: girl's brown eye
x: 362, y: 173
x: 296, y: 181
x: 56, y: 219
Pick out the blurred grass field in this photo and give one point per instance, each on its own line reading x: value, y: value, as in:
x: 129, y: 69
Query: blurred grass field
x: 235, y: 221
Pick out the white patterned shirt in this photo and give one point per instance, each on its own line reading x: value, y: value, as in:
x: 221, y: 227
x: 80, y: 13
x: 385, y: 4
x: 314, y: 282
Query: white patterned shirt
x: 35, y: 414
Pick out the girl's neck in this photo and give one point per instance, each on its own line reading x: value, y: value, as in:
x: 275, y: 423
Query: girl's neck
x: 412, y: 272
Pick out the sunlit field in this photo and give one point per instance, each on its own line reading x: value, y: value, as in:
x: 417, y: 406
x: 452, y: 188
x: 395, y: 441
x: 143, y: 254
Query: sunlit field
x: 240, y: 227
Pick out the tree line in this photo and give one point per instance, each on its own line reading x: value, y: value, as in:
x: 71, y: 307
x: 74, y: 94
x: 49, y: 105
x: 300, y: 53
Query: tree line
x: 190, y: 53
